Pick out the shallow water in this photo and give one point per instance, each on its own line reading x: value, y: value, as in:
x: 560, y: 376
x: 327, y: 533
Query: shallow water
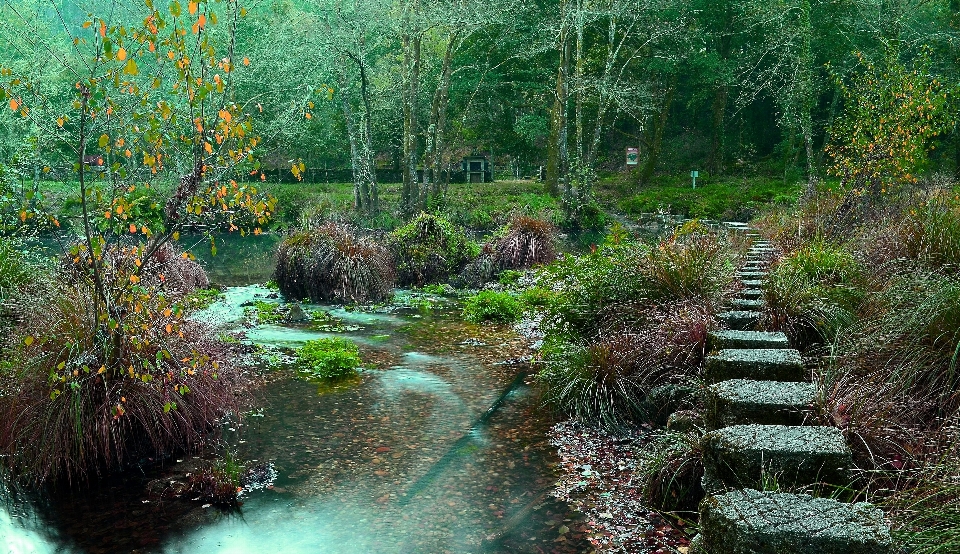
x: 409, y: 459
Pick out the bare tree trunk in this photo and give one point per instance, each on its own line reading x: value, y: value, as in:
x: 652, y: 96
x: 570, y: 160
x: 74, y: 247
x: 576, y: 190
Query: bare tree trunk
x: 359, y: 198
x: 436, y: 143
x: 656, y: 133
x: 411, y: 198
x: 557, y: 155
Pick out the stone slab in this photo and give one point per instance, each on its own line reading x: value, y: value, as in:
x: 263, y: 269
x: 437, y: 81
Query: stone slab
x: 759, y: 364
x: 720, y: 340
x: 744, y: 401
x: 752, y: 274
x: 749, y: 456
x: 740, y: 320
x: 752, y: 283
x: 753, y: 522
x: 751, y: 294
x: 747, y: 303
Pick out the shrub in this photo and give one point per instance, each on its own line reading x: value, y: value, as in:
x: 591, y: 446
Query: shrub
x: 429, y: 250
x: 330, y: 358
x: 490, y: 305
x: 331, y: 263
x: 931, y: 233
x: 85, y: 401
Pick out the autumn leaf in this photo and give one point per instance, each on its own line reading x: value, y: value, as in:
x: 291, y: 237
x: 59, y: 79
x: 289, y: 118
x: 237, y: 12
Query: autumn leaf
x: 103, y: 141
x: 192, y: 7
x: 14, y: 104
x: 28, y: 340
x: 121, y: 54
x: 131, y: 67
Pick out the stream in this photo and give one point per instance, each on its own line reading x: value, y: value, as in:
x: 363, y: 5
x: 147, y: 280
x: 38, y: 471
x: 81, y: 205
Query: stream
x: 438, y: 447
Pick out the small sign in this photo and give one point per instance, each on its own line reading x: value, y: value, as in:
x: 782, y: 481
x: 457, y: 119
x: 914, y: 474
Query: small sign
x: 633, y: 156
x: 694, y: 174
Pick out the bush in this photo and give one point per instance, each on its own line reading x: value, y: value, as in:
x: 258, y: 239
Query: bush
x: 692, y: 263
x: 429, y: 250
x: 82, y: 400
x: 330, y: 263
x: 330, y: 358
x: 672, y: 469
x: 490, y: 305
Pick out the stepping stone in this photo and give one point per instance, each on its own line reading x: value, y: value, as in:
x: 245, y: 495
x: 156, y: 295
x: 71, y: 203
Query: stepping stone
x: 753, y: 456
x: 740, y: 320
x: 753, y: 522
x: 742, y: 402
x: 760, y: 364
x: 752, y: 283
x: 720, y: 340
x: 747, y: 304
x: 751, y: 294
x: 752, y: 274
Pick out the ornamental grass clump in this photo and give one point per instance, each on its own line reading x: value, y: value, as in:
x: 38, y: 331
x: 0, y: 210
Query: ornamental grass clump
x: 814, y: 292
x: 693, y: 262
x: 527, y: 242
x: 428, y: 250
x: 331, y: 263
x: 82, y: 399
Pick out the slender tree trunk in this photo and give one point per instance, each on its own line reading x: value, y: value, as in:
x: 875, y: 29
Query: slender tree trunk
x: 411, y: 198
x: 557, y: 155
x: 719, y: 108
x: 438, y: 120
x: 657, y: 130
x: 359, y: 198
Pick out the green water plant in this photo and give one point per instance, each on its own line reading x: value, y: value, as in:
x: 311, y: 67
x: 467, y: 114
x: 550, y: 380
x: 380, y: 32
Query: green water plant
x: 488, y: 305
x: 328, y: 358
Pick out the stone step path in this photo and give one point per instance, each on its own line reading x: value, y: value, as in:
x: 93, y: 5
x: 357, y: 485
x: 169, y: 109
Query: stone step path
x: 758, y: 401
x: 743, y: 401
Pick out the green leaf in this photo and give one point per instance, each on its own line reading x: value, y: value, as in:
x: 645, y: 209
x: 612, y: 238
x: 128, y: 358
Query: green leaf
x: 131, y: 67
x: 175, y: 8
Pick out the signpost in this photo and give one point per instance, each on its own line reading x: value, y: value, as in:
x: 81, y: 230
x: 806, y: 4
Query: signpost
x: 633, y: 156
x: 694, y: 174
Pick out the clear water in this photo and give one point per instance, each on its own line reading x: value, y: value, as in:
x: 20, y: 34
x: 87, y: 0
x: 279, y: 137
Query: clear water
x: 407, y: 460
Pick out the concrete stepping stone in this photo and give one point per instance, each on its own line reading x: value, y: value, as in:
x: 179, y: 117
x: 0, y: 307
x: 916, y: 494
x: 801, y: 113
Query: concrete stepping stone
x: 720, y: 340
x: 752, y: 283
x: 753, y: 522
x: 752, y: 274
x: 740, y: 320
x: 759, y: 364
x: 747, y: 304
x: 743, y: 401
x: 750, y: 456
x: 751, y: 294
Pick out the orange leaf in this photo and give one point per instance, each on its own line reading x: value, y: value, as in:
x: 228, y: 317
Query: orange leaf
x: 103, y: 28
x: 133, y: 228
x: 121, y: 54
x: 246, y: 60
x: 14, y: 104
x: 192, y: 6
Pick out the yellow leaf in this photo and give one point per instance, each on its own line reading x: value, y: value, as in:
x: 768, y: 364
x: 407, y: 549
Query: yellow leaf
x: 192, y: 6
x: 131, y: 67
x: 208, y: 147
x: 134, y: 279
x: 122, y: 54
x: 28, y: 341
x: 225, y: 115
x: 103, y: 141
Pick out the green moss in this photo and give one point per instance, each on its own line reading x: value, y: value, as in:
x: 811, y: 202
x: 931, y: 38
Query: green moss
x: 264, y: 312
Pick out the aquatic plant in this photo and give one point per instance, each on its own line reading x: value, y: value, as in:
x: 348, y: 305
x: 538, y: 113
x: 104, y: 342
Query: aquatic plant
x: 491, y: 305
x: 328, y: 358
x: 429, y: 249
x: 331, y: 262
